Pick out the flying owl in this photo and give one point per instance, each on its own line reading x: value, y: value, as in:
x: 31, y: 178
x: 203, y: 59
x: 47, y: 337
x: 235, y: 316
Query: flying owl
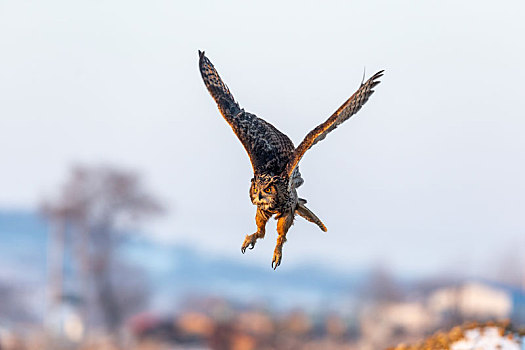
x: 274, y: 158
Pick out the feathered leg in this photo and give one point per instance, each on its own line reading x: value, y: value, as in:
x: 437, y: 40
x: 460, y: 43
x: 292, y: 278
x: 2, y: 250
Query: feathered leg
x: 303, y: 211
x: 261, y: 218
x: 283, y: 225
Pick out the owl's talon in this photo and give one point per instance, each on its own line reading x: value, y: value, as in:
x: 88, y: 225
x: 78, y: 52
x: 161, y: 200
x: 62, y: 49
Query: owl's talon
x: 249, y: 242
x: 277, y: 257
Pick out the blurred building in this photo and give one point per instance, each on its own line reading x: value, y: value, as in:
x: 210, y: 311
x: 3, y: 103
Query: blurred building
x: 472, y: 301
x: 385, y: 324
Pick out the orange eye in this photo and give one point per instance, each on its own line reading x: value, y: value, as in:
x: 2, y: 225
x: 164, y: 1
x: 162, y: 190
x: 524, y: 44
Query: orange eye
x: 268, y: 190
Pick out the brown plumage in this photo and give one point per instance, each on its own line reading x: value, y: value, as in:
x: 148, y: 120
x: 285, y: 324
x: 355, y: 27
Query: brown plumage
x: 348, y: 109
x: 273, y: 156
x: 268, y: 148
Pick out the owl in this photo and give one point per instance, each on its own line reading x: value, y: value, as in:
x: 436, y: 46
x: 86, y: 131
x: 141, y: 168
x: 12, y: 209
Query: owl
x: 275, y: 160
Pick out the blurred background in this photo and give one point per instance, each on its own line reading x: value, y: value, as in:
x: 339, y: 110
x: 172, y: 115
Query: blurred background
x: 124, y: 194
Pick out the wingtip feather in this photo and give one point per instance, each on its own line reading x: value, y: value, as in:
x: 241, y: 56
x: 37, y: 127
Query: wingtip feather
x: 378, y: 74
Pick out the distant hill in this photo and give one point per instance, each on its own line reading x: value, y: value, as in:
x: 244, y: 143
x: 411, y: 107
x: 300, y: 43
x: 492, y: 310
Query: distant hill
x: 175, y: 271
x: 23, y: 242
x: 174, y: 274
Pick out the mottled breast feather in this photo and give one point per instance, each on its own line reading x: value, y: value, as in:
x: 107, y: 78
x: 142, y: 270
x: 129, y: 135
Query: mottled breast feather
x: 269, y: 149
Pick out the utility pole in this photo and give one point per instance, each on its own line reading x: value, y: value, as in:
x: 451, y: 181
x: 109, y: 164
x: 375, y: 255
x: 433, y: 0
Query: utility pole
x: 55, y: 262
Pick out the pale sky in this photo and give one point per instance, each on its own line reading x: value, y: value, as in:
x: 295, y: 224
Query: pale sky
x: 427, y: 177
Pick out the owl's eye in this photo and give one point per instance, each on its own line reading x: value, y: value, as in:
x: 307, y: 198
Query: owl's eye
x: 268, y: 190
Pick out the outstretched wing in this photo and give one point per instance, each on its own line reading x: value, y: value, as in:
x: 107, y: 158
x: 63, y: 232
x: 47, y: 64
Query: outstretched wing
x: 269, y: 149
x: 349, y: 108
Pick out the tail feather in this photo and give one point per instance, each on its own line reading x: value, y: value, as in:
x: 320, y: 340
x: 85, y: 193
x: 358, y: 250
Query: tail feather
x: 303, y: 211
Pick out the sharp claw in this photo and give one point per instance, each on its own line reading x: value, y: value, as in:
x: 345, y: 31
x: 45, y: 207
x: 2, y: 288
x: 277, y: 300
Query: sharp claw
x: 249, y: 242
x: 276, y: 262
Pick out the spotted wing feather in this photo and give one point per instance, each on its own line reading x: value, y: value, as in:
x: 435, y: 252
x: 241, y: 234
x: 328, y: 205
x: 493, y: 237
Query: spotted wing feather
x: 269, y: 149
x: 349, y: 108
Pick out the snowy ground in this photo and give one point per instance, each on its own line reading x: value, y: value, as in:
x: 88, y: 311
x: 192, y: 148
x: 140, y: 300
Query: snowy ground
x: 472, y: 336
x: 487, y: 339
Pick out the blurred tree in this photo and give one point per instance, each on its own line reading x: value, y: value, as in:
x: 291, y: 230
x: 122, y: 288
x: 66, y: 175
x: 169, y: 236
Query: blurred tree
x: 97, y: 204
x: 13, y: 301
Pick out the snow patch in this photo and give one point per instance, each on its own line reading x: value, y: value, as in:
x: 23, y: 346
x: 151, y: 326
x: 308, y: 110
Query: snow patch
x: 488, y: 338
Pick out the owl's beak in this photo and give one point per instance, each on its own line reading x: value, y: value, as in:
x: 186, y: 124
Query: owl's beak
x: 259, y: 197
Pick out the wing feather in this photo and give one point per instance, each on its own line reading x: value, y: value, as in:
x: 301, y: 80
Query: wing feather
x: 269, y: 149
x: 349, y: 108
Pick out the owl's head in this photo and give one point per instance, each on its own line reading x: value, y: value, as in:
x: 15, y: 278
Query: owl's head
x: 264, y: 191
